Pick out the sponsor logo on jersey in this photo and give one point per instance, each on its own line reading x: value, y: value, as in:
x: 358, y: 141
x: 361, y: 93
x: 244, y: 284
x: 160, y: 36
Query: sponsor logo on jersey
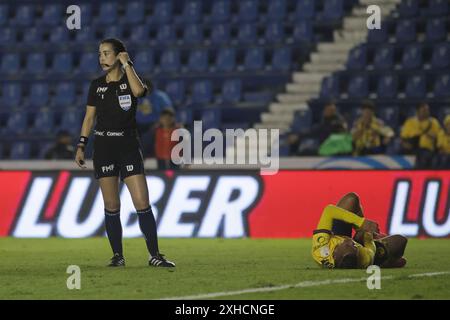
x: 102, y: 89
x: 123, y: 86
x: 125, y: 102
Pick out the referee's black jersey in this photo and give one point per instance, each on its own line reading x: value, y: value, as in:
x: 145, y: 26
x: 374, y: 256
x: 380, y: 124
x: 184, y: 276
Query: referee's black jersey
x: 114, y: 102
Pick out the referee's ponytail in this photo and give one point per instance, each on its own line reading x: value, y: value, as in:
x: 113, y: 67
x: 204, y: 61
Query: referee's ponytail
x: 117, y: 45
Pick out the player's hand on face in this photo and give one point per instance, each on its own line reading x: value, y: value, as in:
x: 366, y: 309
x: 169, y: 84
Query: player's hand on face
x: 370, y: 226
x: 79, y: 158
x: 123, y: 57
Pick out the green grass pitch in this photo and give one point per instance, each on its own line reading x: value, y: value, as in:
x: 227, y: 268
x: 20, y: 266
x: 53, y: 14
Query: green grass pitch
x: 36, y: 269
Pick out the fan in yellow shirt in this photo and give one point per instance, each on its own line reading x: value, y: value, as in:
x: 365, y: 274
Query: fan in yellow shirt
x: 333, y: 246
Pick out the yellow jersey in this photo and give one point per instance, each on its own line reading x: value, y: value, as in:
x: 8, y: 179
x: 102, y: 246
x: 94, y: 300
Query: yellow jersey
x: 413, y: 127
x: 324, y: 242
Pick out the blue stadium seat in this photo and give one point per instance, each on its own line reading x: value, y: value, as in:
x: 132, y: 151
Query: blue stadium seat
x: 276, y: 10
x: 38, y: 96
x: 202, y: 92
x: 65, y: 95
x: 282, y: 59
x: 170, y: 60
x: 390, y: 116
x: 441, y: 56
x: 10, y: 64
x: 198, y: 60
x: 24, y: 16
x: 303, y: 31
x: 2, y: 156
x: 378, y: 35
x: 408, y: 8
x: 302, y: 121
x: 330, y: 87
x: 358, y: 87
x: 44, y: 123
x: 247, y: 34
x: 35, y: 63
x: 7, y: 35
x: 86, y: 34
x: 211, y: 118
x: 274, y: 32
x: 134, y: 12
x: 305, y: 9
x: 88, y: 63
x: 166, y: 34
x: 16, y: 124
x: 62, y: 63
x: 192, y: 12
x: 20, y: 151
x: 4, y: 14
x: 442, y: 86
x: 416, y: 87
x: 140, y: 33
x: 248, y: 11
x: 436, y: 30
x: 333, y: 10
x: 53, y: 14
x: 254, y: 59
x: 220, y: 12
x: 387, y: 86
x: 33, y: 35
x: 193, y: 34
x: 412, y: 57
x: 144, y: 61
x: 176, y: 91
x: 71, y: 120
x: 437, y: 8
x: 384, y: 58
x: 86, y: 14
x: 405, y: 31
x: 83, y: 95
x: 11, y: 95
x: 232, y: 91
x: 163, y: 12
x: 226, y: 60
x: 357, y: 58
x: 184, y: 116
x: 107, y: 14
x: 220, y: 34
x: 59, y: 34
x: 112, y: 31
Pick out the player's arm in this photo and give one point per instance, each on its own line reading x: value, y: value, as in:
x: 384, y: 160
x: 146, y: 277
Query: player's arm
x: 88, y: 123
x: 331, y: 213
x: 366, y: 254
x: 138, y: 88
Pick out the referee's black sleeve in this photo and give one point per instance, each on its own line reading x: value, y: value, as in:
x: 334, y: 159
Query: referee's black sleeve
x: 92, y: 95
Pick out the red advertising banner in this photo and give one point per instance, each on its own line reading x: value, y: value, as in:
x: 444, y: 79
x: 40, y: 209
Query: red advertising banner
x: 226, y: 203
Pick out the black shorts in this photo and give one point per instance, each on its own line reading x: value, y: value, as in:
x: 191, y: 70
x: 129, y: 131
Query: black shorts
x: 117, y: 155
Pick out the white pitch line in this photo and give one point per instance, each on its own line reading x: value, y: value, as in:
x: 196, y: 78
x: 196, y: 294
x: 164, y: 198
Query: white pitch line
x: 304, y: 284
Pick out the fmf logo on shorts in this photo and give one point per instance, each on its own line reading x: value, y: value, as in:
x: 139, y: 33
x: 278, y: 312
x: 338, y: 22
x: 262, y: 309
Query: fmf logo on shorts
x: 108, y: 168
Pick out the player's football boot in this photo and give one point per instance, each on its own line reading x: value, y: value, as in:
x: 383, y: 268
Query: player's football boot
x: 117, y: 261
x: 160, y: 261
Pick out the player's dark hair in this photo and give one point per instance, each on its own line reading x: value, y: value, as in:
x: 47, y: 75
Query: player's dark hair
x: 117, y: 45
x: 349, y: 261
x: 367, y: 104
x: 420, y: 105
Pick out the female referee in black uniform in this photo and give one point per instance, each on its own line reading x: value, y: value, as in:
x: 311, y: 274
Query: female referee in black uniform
x: 112, y: 103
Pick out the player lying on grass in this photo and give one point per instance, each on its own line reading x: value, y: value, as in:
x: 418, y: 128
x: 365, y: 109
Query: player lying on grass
x: 333, y: 246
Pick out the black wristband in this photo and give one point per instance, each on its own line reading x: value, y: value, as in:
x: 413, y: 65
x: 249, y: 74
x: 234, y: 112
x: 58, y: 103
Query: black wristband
x: 83, y: 140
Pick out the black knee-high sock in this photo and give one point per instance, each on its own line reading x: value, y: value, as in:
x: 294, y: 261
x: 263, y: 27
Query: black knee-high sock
x: 147, y: 224
x: 114, y: 230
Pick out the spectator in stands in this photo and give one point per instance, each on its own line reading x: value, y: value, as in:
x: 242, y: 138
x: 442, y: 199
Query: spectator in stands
x: 162, y: 135
x: 443, y: 146
x: 370, y: 134
x: 419, y: 136
x: 332, y: 122
x: 63, y: 148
